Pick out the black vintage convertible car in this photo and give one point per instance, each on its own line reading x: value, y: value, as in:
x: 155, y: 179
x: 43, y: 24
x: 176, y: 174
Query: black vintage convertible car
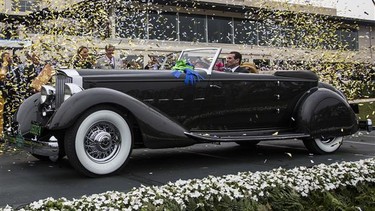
x: 96, y: 117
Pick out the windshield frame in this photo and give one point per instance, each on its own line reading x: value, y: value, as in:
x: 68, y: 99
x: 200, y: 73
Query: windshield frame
x: 213, y: 56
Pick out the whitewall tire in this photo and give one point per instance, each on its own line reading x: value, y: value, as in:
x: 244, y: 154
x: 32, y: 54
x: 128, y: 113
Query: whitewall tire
x: 323, y: 146
x: 99, y: 143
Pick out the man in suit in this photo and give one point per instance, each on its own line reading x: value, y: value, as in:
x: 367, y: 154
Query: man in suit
x: 109, y: 61
x: 3, y: 73
x: 233, y: 62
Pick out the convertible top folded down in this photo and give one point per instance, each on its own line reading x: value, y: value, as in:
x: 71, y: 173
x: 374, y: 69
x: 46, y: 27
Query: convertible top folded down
x: 304, y: 74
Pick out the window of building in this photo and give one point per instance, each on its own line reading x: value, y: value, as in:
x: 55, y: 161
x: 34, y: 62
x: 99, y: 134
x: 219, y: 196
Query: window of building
x: 329, y: 40
x: 287, y: 36
x: 265, y: 33
x: 192, y: 28
x: 25, y: 5
x: 162, y: 26
x: 245, y: 32
x: 348, y: 39
x: 220, y: 29
x: 275, y: 35
x: 298, y: 38
x: 131, y: 24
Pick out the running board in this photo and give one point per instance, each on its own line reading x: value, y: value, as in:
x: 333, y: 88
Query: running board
x: 206, y: 137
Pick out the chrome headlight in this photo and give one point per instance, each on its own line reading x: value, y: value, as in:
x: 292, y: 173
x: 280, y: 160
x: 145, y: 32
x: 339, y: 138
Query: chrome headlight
x: 47, y: 93
x: 71, y: 89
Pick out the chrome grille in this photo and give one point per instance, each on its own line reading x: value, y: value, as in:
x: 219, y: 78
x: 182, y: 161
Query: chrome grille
x: 61, y: 79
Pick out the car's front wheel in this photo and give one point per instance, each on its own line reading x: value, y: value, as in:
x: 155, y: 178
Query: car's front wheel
x: 323, y: 146
x: 99, y: 143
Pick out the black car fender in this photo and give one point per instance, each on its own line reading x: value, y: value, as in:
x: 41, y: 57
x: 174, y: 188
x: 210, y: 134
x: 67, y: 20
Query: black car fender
x: 354, y: 106
x: 317, y: 111
x: 155, y: 126
x: 330, y: 87
x: 28, y: 112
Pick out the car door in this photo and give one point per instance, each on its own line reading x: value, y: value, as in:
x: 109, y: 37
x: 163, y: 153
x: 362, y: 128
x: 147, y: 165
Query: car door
x: 181, y: 101
x: 240, y: 101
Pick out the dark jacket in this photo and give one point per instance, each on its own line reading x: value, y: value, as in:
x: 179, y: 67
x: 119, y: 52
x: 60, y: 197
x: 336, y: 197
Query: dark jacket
x: 241, y: 70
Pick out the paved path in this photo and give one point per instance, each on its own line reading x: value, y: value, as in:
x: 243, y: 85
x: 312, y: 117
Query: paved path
x: 24, y: 179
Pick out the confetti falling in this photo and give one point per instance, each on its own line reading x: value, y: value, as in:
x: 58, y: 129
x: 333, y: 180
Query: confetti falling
x: 57, y: 28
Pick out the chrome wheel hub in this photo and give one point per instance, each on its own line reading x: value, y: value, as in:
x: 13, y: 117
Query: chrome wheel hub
x: 327, y: 141
x: 102, y: 142
x: 333, y: 142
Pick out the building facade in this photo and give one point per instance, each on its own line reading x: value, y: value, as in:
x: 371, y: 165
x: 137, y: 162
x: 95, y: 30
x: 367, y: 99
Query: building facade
x: 265, y: 32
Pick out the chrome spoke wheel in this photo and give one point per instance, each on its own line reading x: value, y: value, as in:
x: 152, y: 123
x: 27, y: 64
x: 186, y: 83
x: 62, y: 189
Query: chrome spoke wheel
x: 102, y: 142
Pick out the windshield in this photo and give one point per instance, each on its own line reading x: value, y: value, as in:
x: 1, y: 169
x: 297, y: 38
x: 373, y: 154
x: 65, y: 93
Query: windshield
x: 202, y: 58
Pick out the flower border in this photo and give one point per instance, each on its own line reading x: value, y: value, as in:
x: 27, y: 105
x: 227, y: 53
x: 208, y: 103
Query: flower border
x: 195, y: 193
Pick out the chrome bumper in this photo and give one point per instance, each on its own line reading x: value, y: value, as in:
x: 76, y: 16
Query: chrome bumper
x: 49, y: 149
x: 366, y: 125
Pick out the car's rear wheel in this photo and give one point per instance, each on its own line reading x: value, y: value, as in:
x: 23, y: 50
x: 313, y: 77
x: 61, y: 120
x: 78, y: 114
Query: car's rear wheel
x: 99, y: 143
x: 323, y: 146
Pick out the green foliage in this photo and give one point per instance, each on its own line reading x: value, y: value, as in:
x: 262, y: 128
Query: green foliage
x: 284, y: 199
x: 344, y: 198
x: 330, y: 58
x: 367, y: 111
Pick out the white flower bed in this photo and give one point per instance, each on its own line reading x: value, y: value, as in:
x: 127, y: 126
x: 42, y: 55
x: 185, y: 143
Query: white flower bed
x: 204, y: 192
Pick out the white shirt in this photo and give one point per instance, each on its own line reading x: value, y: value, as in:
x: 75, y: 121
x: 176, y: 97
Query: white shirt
x: 234, y: 68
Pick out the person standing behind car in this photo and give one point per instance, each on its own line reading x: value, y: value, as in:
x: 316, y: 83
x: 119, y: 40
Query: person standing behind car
x: 32, y: 69
x: 81, y: 60
x: 233, y: 62
x: 3, y: 73
x: 34, y: 62
x: 153, y: 64
x: 12, y: 91
x: 108, y: 60
x: 37, y: 73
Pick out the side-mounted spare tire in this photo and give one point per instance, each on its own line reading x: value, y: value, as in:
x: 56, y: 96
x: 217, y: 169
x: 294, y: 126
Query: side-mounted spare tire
x: 100, y: 142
